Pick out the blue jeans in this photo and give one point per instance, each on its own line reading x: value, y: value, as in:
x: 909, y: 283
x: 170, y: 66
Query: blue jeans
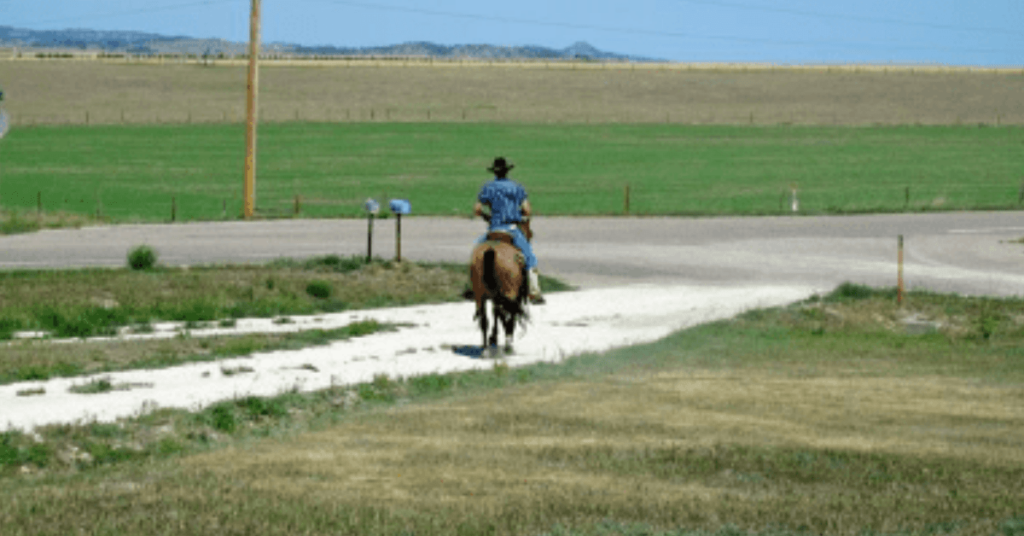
x: 518, y: 240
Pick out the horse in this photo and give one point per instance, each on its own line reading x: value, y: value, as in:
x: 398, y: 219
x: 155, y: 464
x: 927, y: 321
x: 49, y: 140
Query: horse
x: 497, y: 270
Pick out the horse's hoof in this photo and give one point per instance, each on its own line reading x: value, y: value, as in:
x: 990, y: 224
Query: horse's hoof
x: 508, y: 350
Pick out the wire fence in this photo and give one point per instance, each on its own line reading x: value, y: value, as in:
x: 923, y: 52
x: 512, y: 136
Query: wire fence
x: 312, y: 114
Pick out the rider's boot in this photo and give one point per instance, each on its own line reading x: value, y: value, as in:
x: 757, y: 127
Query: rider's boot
x: 535, y: 297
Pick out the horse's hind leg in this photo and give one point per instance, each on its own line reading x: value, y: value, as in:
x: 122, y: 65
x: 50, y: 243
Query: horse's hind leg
x: 481, y: 314
x: 509, y: 322
x: 494, y: 328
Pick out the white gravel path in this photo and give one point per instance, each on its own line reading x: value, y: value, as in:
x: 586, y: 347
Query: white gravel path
x: 570, y: 324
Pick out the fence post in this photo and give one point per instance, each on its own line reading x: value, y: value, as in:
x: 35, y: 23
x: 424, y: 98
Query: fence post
x: 39, y: 203
x: 224, y: 209
x: 625, y: 206
x: 899, y: 272
x: 298, y: 205
x: 174, y: 209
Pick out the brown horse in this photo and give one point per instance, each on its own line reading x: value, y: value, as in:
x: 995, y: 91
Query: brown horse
x: 498, y: 272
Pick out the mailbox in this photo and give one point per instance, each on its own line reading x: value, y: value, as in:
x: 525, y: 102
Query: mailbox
x: 400, y: 206
x: 372, y: 206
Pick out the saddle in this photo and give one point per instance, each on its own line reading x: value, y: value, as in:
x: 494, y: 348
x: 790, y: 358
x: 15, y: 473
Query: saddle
x: 505, y: 237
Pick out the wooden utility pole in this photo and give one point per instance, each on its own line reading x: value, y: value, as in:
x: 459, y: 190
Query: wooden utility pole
x: 249, y: 187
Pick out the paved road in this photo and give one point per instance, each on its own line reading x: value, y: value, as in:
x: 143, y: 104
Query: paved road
x: 963, y: 252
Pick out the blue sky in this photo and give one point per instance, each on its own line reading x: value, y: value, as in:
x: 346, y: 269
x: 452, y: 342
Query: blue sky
x: 956, y: 32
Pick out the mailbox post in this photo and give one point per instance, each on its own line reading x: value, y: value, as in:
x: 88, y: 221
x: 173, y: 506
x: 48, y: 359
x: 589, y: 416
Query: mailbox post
x: 5, y: 122
x: 372, y: 208
x: 399, y: 207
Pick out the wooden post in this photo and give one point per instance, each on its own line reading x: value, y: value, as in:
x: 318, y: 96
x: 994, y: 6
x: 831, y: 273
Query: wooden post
x: 224, y: 209
x: 398, y: 237
x: 249, y: 186
x: 39, y: 203
x: 298, y: 205
x: 369, y: 239
x: 899, y: 272
x: 906, y: 197
x: 625, y: 207
x: 174, y: 209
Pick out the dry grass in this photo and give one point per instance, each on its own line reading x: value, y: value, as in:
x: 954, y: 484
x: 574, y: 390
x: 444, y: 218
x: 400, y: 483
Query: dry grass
x: 13, y: 222
x: 66, y: 91
x: 818, y: 418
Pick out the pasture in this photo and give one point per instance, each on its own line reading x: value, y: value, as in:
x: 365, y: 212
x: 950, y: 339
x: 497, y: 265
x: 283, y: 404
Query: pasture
x: 687, y: 139
x: 824, y: 417
x: 153, y: 173
x: 112, y: 92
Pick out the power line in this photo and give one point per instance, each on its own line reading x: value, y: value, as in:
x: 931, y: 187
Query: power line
x: 129, y: 12
x: 861, y: 18
x: 636, y: 31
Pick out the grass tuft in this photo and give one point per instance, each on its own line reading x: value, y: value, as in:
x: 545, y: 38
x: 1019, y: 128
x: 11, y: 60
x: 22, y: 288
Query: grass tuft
x: 142, y: 258
x: 319, y: 289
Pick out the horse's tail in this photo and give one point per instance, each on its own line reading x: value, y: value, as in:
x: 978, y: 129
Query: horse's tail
x: 515, y: 306
x: 490, y: 276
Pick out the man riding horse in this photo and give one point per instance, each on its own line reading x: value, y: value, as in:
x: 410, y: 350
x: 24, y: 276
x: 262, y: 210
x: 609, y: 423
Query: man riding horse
x: 509, y: 208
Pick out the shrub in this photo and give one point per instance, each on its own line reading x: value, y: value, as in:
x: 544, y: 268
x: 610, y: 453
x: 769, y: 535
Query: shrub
x: 223, y: 418
x: 852, y: 291
x: 319, y: 289
x: 142, y: 258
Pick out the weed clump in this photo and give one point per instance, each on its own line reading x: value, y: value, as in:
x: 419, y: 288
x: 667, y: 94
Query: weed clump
x: 319, y: 289
x: 142, y: 258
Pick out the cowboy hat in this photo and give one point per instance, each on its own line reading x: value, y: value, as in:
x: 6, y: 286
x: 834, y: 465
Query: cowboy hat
x: 500, y: 167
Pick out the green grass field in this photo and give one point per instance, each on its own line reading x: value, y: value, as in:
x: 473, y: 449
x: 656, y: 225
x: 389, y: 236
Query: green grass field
x: 135, y: 173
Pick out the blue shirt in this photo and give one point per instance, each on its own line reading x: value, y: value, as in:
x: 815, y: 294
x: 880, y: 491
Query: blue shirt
x: 504, y: 196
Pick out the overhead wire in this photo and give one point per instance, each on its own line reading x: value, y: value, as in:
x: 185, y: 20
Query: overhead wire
x: 850, y: 17
x: 636, y: 31
x: 112, y: 14
x: 612, y: 29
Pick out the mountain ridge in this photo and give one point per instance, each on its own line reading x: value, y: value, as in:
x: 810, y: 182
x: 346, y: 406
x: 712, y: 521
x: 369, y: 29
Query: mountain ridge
x: 132, y: 42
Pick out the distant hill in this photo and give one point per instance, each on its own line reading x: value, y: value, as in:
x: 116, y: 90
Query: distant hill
x: 147, y: 43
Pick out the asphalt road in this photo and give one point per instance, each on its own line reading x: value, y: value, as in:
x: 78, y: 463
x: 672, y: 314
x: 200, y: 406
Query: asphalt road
x: 970, y: 252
